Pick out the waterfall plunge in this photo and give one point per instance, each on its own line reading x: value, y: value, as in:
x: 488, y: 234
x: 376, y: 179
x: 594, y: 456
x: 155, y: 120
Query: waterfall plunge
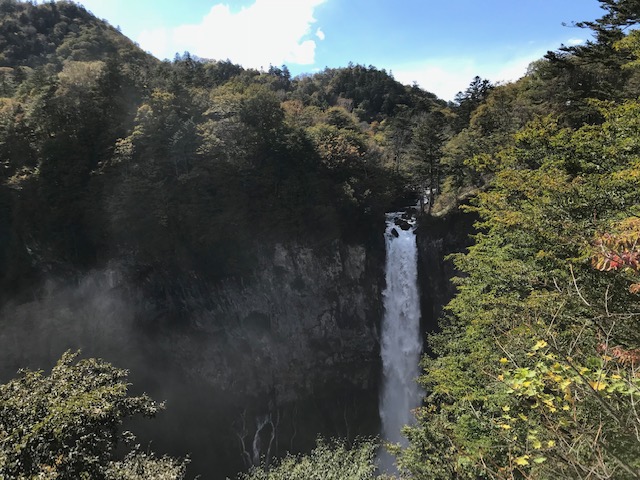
x: 400, y: 341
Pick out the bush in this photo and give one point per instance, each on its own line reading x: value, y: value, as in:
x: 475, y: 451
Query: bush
x: 67, y: 425
x: 328, y: 461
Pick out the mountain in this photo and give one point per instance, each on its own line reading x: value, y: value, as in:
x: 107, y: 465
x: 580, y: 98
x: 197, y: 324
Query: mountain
x: 212, y: 228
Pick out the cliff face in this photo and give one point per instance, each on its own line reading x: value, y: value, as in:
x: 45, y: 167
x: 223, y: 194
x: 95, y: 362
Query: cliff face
x: 437, y: 238
x: 307, y: 318
x: 252, y: 369
x: 248, y: 368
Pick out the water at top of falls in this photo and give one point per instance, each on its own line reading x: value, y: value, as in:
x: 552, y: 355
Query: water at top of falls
x: 401, y: 343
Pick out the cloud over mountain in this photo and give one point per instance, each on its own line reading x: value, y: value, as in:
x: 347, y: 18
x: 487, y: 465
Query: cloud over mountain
x: 266, y: 32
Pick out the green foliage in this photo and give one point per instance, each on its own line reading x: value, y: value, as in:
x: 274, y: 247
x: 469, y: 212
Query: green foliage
x: 110, y: 154
x: 36, y: 34
x: 530, y: 379
x: 139, y: 465
x: 67, y: 425
x: 534, y: 374
x: 328, y: 461
x: 469, y: 100
x: 190, y: 166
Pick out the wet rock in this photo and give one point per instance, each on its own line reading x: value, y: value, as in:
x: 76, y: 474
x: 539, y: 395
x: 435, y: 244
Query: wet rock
x: 403, y: 224
x: 409, y: 214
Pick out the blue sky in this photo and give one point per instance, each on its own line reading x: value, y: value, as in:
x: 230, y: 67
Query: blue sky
x: 440, y: 44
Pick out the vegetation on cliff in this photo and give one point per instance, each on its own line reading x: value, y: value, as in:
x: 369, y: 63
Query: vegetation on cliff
x: 328, y: 461
x: 109, y: 154
x: 535, y: 373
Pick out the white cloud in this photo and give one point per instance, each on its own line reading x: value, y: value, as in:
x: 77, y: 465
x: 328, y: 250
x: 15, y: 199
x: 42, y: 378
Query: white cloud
x: 443, y: 79
x: 447, y: 76
x: 158, y: 39
x: 267, y: 32
x: 575, y: 41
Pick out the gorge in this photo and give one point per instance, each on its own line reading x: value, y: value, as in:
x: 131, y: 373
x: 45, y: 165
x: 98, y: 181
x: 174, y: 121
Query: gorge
x: 262, y: 367
x: 216, y: 233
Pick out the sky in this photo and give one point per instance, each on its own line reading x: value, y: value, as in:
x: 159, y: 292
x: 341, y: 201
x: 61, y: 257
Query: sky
x: 439, y: 44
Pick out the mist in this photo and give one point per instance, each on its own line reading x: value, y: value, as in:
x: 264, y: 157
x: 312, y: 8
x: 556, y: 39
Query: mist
x: 237, y: 390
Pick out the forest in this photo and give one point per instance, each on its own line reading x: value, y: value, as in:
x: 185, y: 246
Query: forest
x: 188, y: 168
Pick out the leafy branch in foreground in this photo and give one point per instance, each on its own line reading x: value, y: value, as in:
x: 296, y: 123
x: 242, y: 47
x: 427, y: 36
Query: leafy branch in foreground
x: 67, y: 425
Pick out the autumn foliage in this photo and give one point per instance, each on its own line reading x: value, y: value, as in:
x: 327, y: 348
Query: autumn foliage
x: 620, y: 251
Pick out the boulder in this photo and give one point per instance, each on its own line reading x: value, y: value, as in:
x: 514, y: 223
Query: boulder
x: 403, y: 224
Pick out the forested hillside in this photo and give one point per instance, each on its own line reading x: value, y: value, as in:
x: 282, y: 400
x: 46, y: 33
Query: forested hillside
x: 188, y: 168
x: 109, y: 154
x: 535, y: 373
x: 134, y: 192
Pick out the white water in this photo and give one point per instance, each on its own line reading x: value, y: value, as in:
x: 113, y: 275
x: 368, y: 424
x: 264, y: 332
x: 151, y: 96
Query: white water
x: 400, y: 340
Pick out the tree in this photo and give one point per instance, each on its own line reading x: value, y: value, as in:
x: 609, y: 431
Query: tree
x: 328, y: 461
x: 399, y: 136
x: 619, y: 15
x: 469, y: 100
x: 67, y: 425
x: 428, y: 140
x: 536, y: 374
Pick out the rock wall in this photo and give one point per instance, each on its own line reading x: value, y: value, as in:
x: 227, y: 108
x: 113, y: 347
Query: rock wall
x: 249, y: 369
x: 305, y: 319
x: 437, y: 238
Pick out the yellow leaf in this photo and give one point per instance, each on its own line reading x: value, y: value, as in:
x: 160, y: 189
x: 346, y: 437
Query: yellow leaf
x: 504, y: 360
x: 524, y: 460
x: 506, y: 408
x: 551, y: 443
x: 597, y: 386
x: 539, y: 344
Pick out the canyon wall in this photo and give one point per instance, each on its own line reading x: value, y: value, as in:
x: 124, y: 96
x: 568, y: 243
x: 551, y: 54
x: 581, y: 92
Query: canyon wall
x: 249, y: 368
x: 439, y: 237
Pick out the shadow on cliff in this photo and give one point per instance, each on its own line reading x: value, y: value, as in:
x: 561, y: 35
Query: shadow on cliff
x: 437, y: 238
x: 258, y: 368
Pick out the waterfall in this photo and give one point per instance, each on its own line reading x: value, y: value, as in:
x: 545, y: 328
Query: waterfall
x: 400, y: 339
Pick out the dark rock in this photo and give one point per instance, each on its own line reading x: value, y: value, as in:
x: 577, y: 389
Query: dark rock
x: 296, y: 345
x: 403, y: 224
x: 438, y: 238
x: 409, y: 214
x: 395, y: 233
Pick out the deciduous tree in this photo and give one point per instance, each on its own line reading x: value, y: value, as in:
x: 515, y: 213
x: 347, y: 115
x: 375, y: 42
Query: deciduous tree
x: 67, y: 425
